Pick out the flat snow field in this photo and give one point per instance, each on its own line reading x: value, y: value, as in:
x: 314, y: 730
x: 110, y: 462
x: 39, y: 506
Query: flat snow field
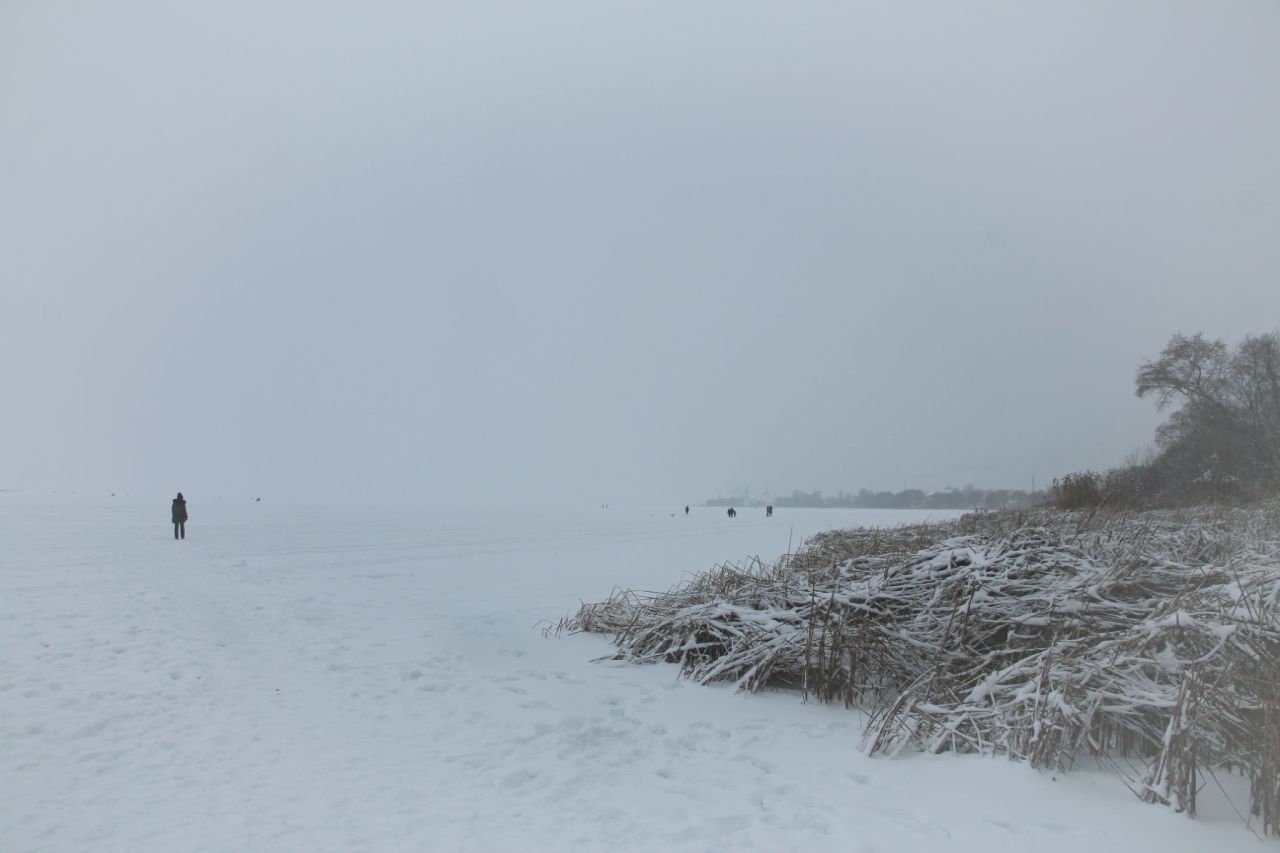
x: 321, y: 679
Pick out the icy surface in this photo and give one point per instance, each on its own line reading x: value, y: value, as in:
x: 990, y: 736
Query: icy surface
x: 314, y: 679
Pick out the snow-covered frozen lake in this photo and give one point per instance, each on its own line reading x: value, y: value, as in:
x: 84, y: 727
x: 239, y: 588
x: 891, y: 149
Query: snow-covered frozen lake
x: 313, y: 679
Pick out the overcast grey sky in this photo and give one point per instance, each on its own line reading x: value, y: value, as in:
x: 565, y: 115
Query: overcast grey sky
x: 608, y: 251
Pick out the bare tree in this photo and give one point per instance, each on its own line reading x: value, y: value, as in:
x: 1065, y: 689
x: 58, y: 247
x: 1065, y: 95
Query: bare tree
x: 1226, y: 436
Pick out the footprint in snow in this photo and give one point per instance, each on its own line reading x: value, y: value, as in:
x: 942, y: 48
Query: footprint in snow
x: 519, y: 779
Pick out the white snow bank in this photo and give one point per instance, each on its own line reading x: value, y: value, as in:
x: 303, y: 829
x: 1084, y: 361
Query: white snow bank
x: 293, y: 680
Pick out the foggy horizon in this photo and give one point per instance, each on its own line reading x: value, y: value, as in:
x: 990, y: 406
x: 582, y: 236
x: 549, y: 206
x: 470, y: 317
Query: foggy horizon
x: 617, y: 254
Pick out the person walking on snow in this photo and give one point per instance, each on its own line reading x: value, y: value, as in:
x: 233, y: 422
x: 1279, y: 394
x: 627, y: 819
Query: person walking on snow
x: 179, y: 517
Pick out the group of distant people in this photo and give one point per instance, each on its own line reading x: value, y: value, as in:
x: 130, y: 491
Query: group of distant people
x: 733, y: 513
x: 180, y: 515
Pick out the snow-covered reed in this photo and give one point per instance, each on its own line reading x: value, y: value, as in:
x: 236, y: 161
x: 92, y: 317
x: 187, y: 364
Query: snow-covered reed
x: 1150, y: 639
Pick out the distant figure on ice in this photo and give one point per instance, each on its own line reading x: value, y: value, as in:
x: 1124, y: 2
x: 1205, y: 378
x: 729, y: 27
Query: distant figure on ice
x: 768, y: 511
x: 733, y: 513
x: 179, y: 517
x: 686, y: 510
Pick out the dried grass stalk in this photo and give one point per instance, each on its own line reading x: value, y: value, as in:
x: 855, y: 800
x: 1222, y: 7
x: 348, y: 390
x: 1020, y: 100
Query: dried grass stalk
x: 1044, y: 636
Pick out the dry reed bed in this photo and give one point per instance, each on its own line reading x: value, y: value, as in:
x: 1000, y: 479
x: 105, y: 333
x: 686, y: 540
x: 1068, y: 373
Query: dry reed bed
x: 1147, y: 637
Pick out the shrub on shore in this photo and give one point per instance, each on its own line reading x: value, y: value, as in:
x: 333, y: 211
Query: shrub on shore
x: 1042, y: 635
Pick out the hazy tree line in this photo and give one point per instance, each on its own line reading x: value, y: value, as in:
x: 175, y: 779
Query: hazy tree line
x: 1221, y: 442
x: 968, y: 497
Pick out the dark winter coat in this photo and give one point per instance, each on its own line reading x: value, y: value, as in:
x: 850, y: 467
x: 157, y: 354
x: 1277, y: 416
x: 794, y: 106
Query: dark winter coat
x: 179, y: 510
